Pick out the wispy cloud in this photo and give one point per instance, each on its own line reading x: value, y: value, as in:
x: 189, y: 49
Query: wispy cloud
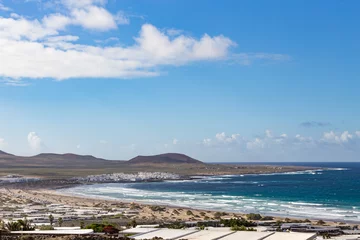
x: 14, y: 82
x: 250, y: 58
x: 314, y: 124
x: 4, y: 8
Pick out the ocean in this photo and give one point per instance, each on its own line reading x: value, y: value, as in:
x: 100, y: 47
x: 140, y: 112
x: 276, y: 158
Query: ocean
x: 332, y: 194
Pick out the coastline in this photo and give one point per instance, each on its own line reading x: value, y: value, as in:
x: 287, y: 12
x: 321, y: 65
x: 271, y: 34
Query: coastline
x: 276, y: 216
x: 145, y: 214
x: 52, y: 191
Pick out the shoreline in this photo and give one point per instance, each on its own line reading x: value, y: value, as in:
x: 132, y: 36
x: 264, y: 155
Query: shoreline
x: 52, y: 190
x: 173, y: 206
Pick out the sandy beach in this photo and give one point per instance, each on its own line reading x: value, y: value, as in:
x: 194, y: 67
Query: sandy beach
x: 123, y: 211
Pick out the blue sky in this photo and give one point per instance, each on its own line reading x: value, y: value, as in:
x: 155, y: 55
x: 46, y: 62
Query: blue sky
x: 226, y: 81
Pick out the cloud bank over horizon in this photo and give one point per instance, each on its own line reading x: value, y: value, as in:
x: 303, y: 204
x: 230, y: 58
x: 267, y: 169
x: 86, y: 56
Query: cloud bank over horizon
x: 225, y: 148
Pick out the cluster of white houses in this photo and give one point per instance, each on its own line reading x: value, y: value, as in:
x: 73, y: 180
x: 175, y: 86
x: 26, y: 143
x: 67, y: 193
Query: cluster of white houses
x: 39, y: 213
x: 140, y: 176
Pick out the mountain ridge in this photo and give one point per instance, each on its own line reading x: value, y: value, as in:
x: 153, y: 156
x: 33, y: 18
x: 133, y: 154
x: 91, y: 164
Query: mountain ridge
x: 76, y: 160
x: 173, y: 158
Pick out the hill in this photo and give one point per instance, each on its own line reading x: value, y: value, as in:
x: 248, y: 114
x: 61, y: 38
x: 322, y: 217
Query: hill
x: 167, y: 158
x: 52, y: 160
x: 51, y: 165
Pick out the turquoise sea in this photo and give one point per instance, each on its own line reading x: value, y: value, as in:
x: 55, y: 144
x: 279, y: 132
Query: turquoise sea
x: 332, y: 193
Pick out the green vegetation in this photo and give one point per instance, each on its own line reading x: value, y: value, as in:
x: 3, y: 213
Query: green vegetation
x: 175, y: 225
x: 242, y: 228
x: 253, y: 216
x: 26, y: 225
x: 157, y: 208
x: 46, y: 227
x: 132, y: 223
x: 99, y: 227
x: 2, y: 224
x: 19, y: 225
x: 218, y: 215
x: 320, y: 222
x: 188, y: 212
x: 51, y: 219
x: 235, y: 222
x: 60, y: 221
x: 13, y: 226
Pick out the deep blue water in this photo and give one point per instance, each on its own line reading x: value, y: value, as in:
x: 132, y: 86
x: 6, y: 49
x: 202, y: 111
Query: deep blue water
x: 325, y: 194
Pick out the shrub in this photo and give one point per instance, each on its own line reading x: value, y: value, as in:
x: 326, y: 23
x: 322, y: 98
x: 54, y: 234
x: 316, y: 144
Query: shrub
x: 2, y: 224
x: 60, y: 221
x: 132, y: 223
x: 242, y: 228
x: 97, y: 227
x: 110, y: 230
x: 51, y: 219
x: 237, y: 222
x: 217, y: 215
x: 26, y: 225
x: 320, y: 222
x: 267, y: 218
x: 13, y: 226
x: 188, y: 212
x: 253, y: 216
x: 173, y: 225
x: 46, y: 227
x: 157, y: 208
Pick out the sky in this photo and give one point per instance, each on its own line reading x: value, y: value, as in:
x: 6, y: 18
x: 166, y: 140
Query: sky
x: 226, y: 81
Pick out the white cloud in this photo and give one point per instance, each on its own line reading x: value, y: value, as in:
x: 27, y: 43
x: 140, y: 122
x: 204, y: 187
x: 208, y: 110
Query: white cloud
x: 56, y: 21
x: 103, y: 142
x: 94, y: 17
x: 3, y: 143
x: 284, y: 135
x: 121, y: 18
x: 332, y: 137
x: 82, y: 3
x: 268, y: 133
x: 14, y: 15
x: 222, y: 137
x: 78, y: 146
x: 14, y: 82
x: 34, y: 141
x: 66, y: 38
x: 4, y: 8
x: 207, y: 141
x: 18, y: 29
x: 175, y: 141
x: 357, y: 133
x: 301, y: 139
x: 174, y: 32
x: 23, y: 56
x: 255, y: 144
x: 42, y: 49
